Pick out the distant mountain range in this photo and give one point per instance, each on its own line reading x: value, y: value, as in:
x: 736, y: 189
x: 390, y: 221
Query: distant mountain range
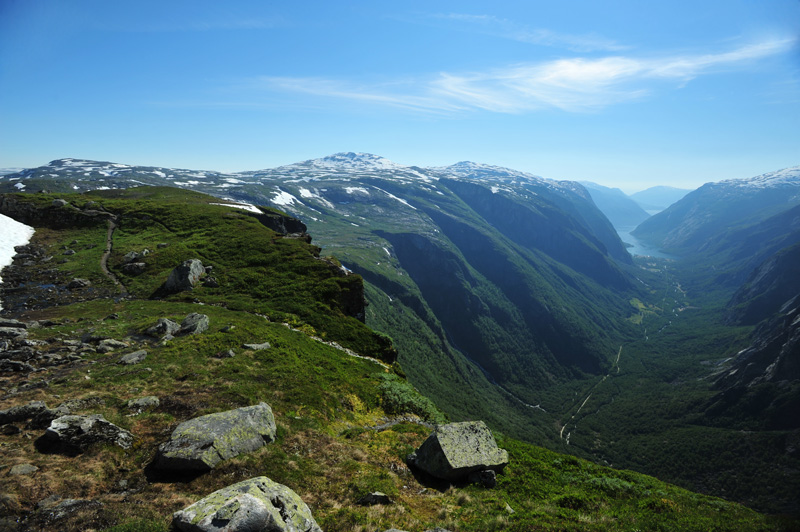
x: 620, y: 209
x: 502, y: 280
x: 656, y: 199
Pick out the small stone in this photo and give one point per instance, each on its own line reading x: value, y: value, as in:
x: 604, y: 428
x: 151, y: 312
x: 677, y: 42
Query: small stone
x: 257, y: 347
x: 376, y: 497
x: 69, y: 252
x: 143, y: 403
x: 230, y: 353
x: 23, y: 469
x: 133, y: 358
x: 134, y: 268
x: 78, y: 283
x: 59, y: 203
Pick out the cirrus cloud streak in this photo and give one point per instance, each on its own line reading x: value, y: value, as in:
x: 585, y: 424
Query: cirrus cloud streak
x: 572, y: 85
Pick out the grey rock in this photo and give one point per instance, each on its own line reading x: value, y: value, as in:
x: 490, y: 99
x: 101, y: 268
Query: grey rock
x: 376, y: 497
x: 134, y: 268
x: 454, y: 451
x: 162, y: 245
x: 15, y: 366
x: 59, y: 203
x: 16, y: 324
x: 69, y: 252
x: 201, y: 443
x: 230, y: 353
x: 185, y: 276
x: 14, y: 333
x: 163, y: 327
x: 194, y: 323
x: 76, y: 284
x: 73, y: 434
x: 48, y: 516
x: 110, y: 343
x: 131, y: 256
x: 258, y: 504
x: 143, y: 403
x: 257, y: 347
x: 133, y: 358
x: 36, y: 411
x: 393, y: 530
x: 23, y: 469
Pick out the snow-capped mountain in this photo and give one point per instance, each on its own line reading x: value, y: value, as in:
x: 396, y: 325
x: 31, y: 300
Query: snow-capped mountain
x: 787, y: 177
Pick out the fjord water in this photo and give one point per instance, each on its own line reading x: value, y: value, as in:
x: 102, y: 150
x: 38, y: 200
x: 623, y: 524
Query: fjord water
x: 637, y: 247
x: 12, y: 233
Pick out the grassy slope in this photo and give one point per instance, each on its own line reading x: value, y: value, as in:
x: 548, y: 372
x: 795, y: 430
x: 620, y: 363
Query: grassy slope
x: 322, y: 398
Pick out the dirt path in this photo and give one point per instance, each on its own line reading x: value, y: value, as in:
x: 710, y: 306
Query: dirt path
x: 104, y: 260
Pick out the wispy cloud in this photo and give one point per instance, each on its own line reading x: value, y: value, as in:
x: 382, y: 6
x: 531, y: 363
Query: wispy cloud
x: 507, y: 29
x: 573, y: 85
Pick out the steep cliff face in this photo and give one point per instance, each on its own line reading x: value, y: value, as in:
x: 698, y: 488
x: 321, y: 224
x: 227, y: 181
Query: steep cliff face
x: 540, y: 225
x: 770, y: 286
x: 761, y: 386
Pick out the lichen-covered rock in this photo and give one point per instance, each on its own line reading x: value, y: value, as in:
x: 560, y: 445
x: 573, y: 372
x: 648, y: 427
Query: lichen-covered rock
x: 454, y: 451
x: 185, y: 276
x: 201, y: 443
x: 194, y: 323
x: 73, y: 434
x: 258, y: 504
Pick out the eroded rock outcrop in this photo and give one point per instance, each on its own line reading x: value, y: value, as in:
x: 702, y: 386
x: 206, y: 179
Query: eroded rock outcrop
x: 201, y: 443
x: 256, y: 504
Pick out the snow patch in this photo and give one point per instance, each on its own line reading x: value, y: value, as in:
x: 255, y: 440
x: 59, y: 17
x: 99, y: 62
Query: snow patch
x: 245, y: 206
x: 283, y: 198
x: 12, y: 233
x: 353, y: 190
x: 401, y: 200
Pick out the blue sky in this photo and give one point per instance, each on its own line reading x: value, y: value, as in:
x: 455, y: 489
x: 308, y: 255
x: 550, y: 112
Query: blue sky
x: 624, y: 93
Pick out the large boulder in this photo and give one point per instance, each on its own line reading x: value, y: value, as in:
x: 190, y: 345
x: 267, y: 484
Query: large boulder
x: 251, y: 505
x: 73, y: 434
x: 185, y: 276
x: 201, y: 443
x: 457, y: 450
